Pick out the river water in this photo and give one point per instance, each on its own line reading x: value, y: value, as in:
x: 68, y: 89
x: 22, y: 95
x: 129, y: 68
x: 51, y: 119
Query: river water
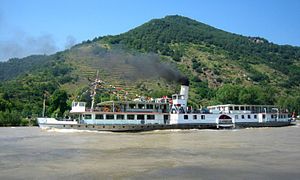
x: 255, y: 153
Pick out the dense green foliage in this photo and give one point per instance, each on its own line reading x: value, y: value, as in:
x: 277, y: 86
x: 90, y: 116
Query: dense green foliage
x: 222, y: 68
x: 23, y: 96
x: 236, y: 94
x: 15, y: 66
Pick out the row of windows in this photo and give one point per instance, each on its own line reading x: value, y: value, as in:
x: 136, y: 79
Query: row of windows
x: 120, y: 116
x: 280, y: 116
x: 255, y: 116
x: 194, y: 116
x: 146, y: 106
x: 239, y: 108
x: 248, y: 116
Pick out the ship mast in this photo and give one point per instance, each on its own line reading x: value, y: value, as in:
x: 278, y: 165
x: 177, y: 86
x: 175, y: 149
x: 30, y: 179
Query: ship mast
x: 94, y: 91
x: 44, y: 102
x: 44, y: 106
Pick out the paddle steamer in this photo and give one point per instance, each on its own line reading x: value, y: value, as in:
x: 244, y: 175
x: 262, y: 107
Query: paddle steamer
x: 165, y: 113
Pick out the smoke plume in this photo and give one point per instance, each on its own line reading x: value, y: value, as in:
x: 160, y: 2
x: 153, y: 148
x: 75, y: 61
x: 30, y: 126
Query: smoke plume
x: 70, y: 41
x: 147, y: 65
x: 22, y: 45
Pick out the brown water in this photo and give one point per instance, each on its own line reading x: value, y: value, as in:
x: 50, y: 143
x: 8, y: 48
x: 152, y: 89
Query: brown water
x: 259, y: 153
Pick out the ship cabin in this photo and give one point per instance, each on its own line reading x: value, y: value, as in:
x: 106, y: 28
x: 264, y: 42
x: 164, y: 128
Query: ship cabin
x: 241, y: 113
x: 78, y: 107
x: 161, y: 106
x: 238, y: 109
x: 123, y: 112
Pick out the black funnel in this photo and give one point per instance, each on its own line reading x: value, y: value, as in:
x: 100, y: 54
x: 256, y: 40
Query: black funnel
x: 185, y: 81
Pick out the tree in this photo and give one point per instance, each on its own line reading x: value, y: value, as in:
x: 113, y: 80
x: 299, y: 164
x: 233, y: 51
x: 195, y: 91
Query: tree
x: 58, y: 103
x: 228, y: 94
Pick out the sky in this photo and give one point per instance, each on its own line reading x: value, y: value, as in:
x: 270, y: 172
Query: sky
x: 46, y: 26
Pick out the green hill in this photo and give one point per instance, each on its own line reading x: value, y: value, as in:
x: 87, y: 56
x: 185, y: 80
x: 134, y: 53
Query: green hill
x: 150, y: 60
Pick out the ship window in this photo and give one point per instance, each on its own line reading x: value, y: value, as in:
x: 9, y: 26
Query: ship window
x: 249, y: 116
x: 236, y: 108
x: 236, y: 117
x: 264, y: 116
x: 87, y: 116
x: 141, y: 106
x: 247, y: 108
x: 81, y: 104
x: 230, y: 108
x: 130, y: 116
x: 202, y: 116
x: 99, y: 116
x: 120, y: 116
x: 242, y: 108
x: 149, y: 106
x: 272, y: 116
x: 195, y: 116
x: 110, y: 116
x: 255, y: 116
x: 131, y: 106
x: 166, y: 117
x: 141, y: 117
x: 185, y: 116
x: 150, y: 117
x: 243, y: 117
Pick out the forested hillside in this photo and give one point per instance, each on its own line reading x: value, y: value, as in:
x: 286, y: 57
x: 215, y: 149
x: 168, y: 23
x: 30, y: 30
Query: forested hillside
x: 150, y: 60
x: 175, y: 35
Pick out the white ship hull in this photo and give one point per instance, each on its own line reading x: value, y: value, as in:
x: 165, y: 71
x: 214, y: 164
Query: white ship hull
x: 211, y: 122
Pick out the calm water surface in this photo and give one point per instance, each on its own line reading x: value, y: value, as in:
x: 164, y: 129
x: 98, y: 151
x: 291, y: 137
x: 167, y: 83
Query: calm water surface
x: 258, y: 153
